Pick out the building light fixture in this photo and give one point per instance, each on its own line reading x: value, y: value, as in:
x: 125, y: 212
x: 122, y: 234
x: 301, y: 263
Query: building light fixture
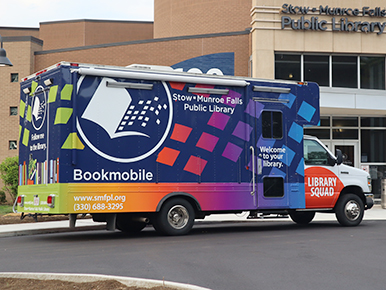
x: 3, y: 56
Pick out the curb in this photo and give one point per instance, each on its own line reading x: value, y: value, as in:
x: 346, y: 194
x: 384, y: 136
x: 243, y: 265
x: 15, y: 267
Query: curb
x: 51, y: 227
x: 79, y: 278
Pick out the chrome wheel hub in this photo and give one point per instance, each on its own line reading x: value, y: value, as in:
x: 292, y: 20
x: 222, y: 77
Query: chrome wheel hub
x: 178, y: 217
x: 352, y: 210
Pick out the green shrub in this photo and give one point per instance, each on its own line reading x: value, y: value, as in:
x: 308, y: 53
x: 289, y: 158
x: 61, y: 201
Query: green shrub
x: 3, y: 199
x: 9, y: 172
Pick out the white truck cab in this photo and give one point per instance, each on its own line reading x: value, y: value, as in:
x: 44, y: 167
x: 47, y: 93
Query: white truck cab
x: 331, y: 186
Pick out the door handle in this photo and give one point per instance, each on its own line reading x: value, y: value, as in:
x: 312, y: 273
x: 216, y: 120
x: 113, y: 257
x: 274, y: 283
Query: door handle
x: 253, y: 171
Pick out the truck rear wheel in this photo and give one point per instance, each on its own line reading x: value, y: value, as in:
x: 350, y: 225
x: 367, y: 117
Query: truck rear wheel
x: 349, y: 210
x: 302, y: 217
x: 175, y: 218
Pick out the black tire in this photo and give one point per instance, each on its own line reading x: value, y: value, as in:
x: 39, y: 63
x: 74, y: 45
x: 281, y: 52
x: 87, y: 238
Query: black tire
x: 175, y: 218
x: 349, y: 210
x: 302, y: 217
x: 126, y: 224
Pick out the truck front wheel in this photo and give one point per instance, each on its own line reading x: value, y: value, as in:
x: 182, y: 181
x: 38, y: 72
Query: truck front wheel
x: 175, y: 218
x: 302, y: 217
x: 349, y: 210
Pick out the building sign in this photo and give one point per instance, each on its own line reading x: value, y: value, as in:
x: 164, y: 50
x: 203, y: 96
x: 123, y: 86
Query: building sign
x: 342, y: 19
x: 222, y: 63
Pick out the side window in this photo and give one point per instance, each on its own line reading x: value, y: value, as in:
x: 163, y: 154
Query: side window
x: 14, y: 77
x: 314, y: 153
x: 273, y: 186
x: 13, y: 111
x: 12, y: 145
x: 272, y: 124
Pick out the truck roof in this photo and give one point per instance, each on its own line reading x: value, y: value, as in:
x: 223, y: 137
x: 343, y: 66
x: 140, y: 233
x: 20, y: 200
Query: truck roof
x: 161, y: 72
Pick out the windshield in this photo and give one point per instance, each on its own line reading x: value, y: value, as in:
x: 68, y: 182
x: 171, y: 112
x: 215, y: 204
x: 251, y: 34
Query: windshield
x: 315, y: 153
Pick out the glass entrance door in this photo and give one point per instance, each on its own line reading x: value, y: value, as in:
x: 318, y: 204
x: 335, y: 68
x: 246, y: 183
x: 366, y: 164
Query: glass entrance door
x: 349, y: 151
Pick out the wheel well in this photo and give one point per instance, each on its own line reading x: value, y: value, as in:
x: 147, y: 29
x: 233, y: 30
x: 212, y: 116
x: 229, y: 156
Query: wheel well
x: 353, y: 190
x: 191, y: 199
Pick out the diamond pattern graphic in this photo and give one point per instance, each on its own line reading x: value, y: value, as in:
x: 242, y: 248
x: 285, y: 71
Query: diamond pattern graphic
x: 218, y: 120
x: 181, y: 133
x: 195, y: 165
x: 168, y: 156
x: 207, y: 142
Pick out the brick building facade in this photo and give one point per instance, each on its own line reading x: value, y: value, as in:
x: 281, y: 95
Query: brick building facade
x: 169, y: 40
x: 256, y: 38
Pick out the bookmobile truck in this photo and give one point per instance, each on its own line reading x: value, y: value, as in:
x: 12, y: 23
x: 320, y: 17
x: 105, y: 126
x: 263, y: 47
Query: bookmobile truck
x: 137, y: 145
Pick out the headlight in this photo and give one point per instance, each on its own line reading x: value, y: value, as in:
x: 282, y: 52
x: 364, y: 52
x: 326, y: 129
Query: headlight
x: 369, y: 182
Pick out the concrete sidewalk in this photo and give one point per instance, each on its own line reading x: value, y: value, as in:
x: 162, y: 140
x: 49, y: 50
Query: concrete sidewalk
x: 376, y: 213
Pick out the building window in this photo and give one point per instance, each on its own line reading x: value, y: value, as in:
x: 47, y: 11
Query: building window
x: 364, y: 72
x: 373, y: 144
x: 325, y: 121
x: 287, y: 67
x: 373, y: 122
x: 12, y: 145
x: 372, y: 73
x: 345, y: 121
x: 316, y: 69
x: 319, y: 133
x: 13, y: 111
x: 344, y: 71
x: 14, y: 77
x: 337, y: 128
x: 345, y: 134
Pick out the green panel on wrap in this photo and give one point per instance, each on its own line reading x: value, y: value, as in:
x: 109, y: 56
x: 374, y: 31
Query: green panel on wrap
x: 66, y: 92
x: 22, y: 108
x: 52, y: 94
x: 62, y: 115
x: 34, y: 85
x: 25, y: 137
x: 73, y: 142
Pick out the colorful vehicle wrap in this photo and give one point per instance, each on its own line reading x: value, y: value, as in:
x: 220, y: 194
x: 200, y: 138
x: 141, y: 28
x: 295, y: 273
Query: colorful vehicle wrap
x: 97, y: 139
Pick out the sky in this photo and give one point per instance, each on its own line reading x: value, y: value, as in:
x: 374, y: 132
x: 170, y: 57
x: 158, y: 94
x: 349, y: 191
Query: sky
x: 29, y: 13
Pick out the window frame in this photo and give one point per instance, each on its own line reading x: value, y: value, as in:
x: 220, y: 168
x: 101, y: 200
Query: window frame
x: 273, y: 192
x: 12, y: 79
x: 318, y: 145
x: 10, y: 110
x: 271, y: 124
x: 12, y: 145
x: 330, y: 65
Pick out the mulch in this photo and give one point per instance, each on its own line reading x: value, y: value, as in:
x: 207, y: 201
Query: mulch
x: 13, y: 218
x: 34, y: 284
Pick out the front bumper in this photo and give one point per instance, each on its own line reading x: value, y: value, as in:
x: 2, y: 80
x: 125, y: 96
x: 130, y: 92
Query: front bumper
x: 369, y: 200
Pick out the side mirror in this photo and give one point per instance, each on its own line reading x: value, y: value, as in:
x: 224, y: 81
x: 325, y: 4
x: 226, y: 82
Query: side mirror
x: 331, y: 160
x: 339, y: 157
